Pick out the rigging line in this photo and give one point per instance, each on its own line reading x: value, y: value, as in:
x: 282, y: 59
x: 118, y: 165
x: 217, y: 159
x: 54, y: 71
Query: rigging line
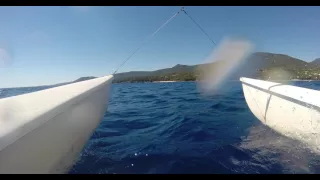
x: 198, y: 26
x: 147, y: 40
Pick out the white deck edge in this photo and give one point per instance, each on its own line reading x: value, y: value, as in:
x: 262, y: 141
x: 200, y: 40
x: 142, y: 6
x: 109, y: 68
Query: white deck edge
x: 22, y: 114
x: 305, y: 95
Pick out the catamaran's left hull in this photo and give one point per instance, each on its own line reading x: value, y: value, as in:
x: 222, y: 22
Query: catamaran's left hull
x: 44, y: 131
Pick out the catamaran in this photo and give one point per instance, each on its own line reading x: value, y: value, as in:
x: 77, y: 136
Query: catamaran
x: 44, y: 131
x: 289, y: 110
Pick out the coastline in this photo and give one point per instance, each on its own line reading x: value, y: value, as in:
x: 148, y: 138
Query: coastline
x: 163, y: 81
x: 292, y: 80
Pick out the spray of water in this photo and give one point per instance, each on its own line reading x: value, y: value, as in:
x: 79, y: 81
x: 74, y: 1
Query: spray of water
x: 225, y: 58
x: 5, y: 58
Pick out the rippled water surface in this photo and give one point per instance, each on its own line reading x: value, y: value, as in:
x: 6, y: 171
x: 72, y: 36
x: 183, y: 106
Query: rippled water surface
x: 171, y: 128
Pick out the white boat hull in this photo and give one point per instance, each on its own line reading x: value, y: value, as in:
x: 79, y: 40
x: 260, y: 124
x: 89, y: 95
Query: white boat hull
x: 291, y: 111
x: 44, y: 131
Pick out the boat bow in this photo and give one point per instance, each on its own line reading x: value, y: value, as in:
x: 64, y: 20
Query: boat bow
x: 292, y: 111
x: 44, y: 131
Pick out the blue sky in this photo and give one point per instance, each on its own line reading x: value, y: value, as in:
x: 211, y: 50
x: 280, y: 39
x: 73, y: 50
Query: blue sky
x: 48, y: 45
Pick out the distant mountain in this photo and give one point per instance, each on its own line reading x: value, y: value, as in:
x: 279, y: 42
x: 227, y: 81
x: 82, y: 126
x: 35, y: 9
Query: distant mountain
x: 84, y: 78
x: 269, y: 60
x: 316, y: 62
x: 256, y: 66
x: 262, y: 61
x: 257, y: 61
x: 175, y: 69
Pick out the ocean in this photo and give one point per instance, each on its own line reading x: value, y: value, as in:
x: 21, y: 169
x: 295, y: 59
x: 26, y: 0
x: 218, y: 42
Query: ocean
x: 152, y: 128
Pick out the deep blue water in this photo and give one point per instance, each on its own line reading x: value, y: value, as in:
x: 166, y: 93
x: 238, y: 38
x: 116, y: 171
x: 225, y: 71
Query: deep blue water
x: 172, y: 128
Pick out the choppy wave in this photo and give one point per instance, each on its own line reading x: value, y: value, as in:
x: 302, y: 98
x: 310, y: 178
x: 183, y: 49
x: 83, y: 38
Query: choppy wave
x: 171, y: 128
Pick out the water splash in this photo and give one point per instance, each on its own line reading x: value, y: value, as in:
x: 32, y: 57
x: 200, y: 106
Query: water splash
x: 224, y: 59
x: 5, y: 57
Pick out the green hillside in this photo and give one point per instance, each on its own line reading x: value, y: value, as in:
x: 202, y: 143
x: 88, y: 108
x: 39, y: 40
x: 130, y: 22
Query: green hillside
x: 259, y: 65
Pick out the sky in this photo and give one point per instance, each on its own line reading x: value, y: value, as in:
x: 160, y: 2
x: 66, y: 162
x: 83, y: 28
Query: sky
x: 49, y: 45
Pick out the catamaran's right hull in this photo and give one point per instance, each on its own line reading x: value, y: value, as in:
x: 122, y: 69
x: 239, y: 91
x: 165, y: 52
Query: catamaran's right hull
x: 292, y: 111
